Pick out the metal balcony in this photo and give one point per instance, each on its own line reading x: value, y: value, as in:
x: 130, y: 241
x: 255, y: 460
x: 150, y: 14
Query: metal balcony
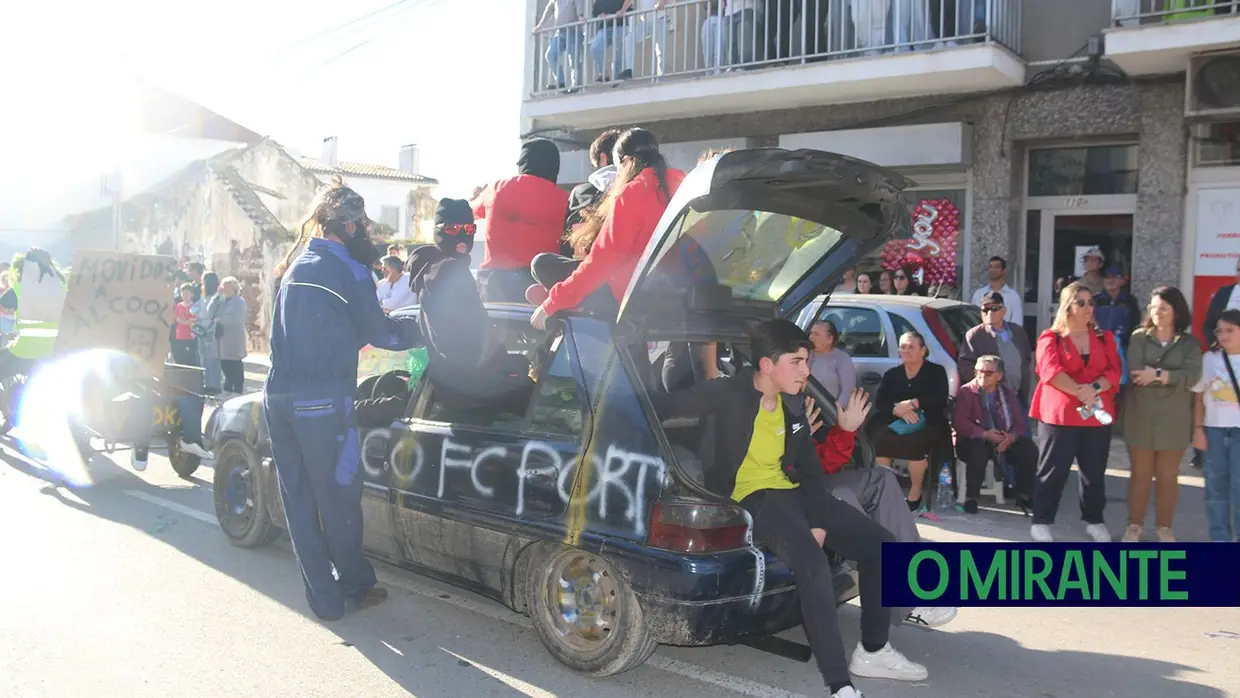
x: 1159, y: 36
x: 694, y: 57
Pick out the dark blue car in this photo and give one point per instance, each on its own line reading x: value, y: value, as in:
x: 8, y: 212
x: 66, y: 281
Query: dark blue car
x: 584, y: 510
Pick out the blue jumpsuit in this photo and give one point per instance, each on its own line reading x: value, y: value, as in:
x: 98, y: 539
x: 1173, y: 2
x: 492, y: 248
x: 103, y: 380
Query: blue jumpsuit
x: 326, y: 310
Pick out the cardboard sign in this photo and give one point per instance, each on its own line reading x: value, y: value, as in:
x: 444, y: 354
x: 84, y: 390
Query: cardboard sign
x: 375, y: 362
x: 119, y: 301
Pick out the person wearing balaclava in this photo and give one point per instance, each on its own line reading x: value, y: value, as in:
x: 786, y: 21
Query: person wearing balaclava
x: 464, y: 362
x: 326, y: 310
x: 524, y: 216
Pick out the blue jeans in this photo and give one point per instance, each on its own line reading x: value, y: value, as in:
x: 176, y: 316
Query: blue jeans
x: 604, y: 38
x: 190, y: 407
x: 565, y: 41
x: 1222, y: 473
x: 209, y: 356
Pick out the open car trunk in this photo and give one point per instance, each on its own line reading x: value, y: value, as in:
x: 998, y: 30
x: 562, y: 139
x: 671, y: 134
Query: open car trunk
x: 758, y: 233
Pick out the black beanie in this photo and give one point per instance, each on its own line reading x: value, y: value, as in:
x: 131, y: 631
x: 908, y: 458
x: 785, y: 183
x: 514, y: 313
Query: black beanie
x: 454, y: 212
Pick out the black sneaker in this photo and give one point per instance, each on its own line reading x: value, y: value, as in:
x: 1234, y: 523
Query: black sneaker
x: 970, y: 506
x: 914, y: 505
x: 625, y: 75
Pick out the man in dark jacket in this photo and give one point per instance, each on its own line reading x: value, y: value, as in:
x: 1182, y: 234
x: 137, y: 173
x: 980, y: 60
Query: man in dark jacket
x: 766, y: 461
x: 466, y: 366
x: 1115, y: 310
x: 1001, y: 338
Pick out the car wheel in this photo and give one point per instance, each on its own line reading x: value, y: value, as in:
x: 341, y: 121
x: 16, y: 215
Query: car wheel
x: 240, y: 496
x: 185, y: 464
x: 585, y: 614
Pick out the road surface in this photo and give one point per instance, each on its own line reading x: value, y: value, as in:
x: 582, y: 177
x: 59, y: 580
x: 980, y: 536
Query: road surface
x: 127, y: 588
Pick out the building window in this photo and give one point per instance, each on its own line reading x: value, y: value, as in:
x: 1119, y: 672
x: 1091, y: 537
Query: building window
x: 390, y: 216
x: 1217, y: 145
x: 1096, y: 171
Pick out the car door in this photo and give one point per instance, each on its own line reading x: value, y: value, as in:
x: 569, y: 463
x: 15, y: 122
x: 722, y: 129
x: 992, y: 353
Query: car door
x: 470, y: 481
x: 864, y: 336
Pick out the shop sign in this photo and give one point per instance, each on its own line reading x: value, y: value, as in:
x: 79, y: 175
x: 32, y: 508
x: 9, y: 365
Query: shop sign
x: 1218, y: 232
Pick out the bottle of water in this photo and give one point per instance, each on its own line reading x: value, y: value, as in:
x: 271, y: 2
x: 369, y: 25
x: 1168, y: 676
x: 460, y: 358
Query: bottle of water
x: 944, y: 500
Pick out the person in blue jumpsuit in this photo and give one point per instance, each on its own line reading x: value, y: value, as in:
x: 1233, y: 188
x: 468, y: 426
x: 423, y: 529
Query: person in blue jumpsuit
x: 326, y: 310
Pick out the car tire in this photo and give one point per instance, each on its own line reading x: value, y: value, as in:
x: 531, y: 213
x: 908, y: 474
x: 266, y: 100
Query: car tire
x: 241, y: 498
x: 616, y: 640
x: 185, y: 464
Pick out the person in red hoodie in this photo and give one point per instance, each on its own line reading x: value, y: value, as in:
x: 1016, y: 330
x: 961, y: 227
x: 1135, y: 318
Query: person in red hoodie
x: 627, y: 218
x: 524, y: 217
x: 1079, y: 371
x: 873, y: 490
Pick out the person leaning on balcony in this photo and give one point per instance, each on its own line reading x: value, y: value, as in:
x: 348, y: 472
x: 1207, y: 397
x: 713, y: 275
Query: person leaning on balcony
x: 564, y: 41
x: 525, y: 217
x: 626, y: 219
x: 1078, y: 367
x: 1164, y: 361
x: 745, y: 20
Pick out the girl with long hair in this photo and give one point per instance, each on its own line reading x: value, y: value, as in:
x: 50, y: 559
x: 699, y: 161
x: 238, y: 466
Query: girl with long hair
x: 1079, y: 368
x: 1164, y: 361
x: 1216, y: 428
x: 619, y: 232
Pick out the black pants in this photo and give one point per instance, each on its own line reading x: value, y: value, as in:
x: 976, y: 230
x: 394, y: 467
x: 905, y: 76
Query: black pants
x: 550, y: 269
x: 1023, y: 455
x: 1089, y: 447
x: 234, y: 376
x: 780, y: 523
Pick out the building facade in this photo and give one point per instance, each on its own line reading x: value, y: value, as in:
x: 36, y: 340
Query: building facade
x: 1033, y: 130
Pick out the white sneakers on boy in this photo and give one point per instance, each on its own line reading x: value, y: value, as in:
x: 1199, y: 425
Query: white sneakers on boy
x: 887, y: 663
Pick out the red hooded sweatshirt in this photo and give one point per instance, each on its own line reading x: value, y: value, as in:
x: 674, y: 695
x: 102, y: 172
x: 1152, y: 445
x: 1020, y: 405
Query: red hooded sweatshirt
x: 620, y: 243
x: 525, y: 216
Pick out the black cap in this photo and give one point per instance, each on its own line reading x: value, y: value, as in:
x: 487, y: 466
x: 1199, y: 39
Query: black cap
x: 995, y: 298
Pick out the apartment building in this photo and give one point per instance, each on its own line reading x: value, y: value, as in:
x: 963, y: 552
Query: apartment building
x: 1034, y: 130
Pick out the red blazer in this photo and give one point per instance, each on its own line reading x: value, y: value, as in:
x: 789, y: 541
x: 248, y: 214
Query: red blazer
x: 1057, y: 355
x: 835, y: 450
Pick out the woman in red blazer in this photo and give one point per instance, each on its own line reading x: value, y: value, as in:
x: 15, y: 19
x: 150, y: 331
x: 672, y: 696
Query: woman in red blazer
x: 1078, y: 366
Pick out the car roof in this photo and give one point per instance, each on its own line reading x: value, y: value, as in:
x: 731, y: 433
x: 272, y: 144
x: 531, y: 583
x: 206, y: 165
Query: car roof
x: 878, y: 299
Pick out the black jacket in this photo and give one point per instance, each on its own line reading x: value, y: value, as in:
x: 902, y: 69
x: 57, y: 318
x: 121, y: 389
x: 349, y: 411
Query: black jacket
x: 929, y: 387
x: 735, y: 403
x: 1218, y: 303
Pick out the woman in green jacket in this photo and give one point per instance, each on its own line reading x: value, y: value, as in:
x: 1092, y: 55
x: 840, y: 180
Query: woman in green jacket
x: 1164, y: 361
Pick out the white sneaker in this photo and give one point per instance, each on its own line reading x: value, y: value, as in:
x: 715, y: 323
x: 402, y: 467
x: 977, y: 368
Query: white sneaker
x: 1099, y: 532
x: 931, y: 616
x: 135, y: 463
x: 886, y: 663
x: 1041, y: 533
x: 847, y: 692
x: 195, y: 450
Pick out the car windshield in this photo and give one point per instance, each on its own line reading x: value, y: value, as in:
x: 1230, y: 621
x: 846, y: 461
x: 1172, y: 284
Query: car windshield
x: 958, y: 320
x: 759, y: 255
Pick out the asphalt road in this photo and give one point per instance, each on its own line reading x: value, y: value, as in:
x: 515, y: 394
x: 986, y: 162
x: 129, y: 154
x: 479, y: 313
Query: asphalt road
x: 127, y: 588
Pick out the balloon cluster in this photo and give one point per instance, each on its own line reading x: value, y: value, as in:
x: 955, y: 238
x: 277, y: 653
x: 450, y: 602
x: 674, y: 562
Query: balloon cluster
x: 931, y: 252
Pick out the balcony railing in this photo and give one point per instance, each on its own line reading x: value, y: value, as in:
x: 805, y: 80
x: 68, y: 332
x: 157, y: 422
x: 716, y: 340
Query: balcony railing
x: 1131, y: 13
x: 696, y: 38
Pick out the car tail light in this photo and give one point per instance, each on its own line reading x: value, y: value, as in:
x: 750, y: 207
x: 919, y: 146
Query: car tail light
x: 940, y: 331
x: 696, y: 526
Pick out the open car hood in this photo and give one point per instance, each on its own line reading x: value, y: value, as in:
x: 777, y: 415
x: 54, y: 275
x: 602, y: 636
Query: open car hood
x: 763, y: 231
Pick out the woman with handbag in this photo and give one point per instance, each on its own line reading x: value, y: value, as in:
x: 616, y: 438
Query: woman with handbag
x: 910, y: 410
x: 1216, y: 428
x: 1078, y: 368
x: 1165, y: 364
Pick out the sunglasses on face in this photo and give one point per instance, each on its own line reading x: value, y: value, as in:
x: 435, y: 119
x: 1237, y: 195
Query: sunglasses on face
x: 992, y: 308
x: 458, y: 228
x: 986, y: 372
x: 900, y: 277
x: 1083, y: 303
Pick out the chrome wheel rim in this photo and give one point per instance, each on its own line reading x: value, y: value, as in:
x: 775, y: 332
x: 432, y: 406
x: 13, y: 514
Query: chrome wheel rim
x: 582, y: 602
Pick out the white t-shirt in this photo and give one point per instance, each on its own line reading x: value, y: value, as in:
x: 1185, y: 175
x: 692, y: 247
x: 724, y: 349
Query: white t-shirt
x: 1012, y: 302
x: 1217, y: 392
x: 394, y: 296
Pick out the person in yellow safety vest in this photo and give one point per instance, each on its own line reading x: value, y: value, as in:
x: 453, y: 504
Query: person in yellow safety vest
x: 37, y: 295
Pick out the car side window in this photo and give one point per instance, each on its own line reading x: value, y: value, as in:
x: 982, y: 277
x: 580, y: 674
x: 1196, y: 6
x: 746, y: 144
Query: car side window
x: 556, y: 407
x: 861, y: 331
x: 900, y: 325
x: 437, y: 405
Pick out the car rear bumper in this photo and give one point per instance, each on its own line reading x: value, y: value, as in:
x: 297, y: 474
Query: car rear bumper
x: 714, y: 599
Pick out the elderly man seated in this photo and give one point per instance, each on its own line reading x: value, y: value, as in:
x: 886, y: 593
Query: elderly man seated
x: 990, y: 423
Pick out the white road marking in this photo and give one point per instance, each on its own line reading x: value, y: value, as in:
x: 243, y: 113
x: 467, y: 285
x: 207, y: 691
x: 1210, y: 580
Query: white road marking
x: 178, y: 508
x: 388, y: 575
x: 511, y: 681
